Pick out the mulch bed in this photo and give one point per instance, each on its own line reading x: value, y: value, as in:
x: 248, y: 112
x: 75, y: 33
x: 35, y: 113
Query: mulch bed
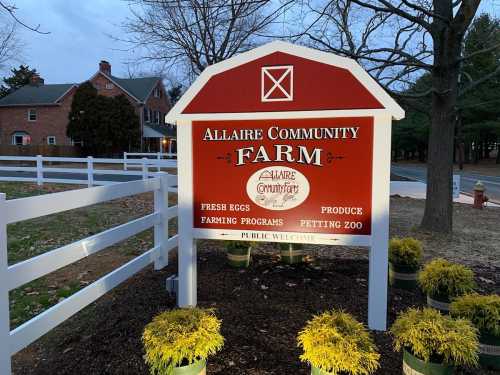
x: 262, y: 308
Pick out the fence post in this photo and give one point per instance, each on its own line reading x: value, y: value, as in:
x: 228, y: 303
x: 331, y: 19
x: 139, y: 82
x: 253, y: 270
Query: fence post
x: 39, y: 170
x: 4, y: 293
x: 124, y: 161
x: 145, y: 168
x: 161, y: 229
x: 158, y: 156
x: 90, y: 171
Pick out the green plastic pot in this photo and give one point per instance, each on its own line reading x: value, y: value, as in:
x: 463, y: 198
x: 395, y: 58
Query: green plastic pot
x: 291, y: 253
x: 439, y: 302
x: 489, y: 351
x: 239, y: 257
x: 195, y: 368
x: 403, y: 276
x: 413, y: 366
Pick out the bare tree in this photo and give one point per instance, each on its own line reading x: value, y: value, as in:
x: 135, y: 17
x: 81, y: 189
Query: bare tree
x: 11, y: 9
x: 196, y: 33
x: 9, y: 43
x: 396, y: 41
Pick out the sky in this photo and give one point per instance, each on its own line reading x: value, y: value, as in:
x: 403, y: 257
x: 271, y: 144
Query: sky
x: 78, y: 39
x: 79, y: 36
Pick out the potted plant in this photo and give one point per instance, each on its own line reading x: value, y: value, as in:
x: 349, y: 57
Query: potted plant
x: 238, y: 253
x: 291, y: 253
x: 178, y: 342
x: 335, y: 343
x: 405, y: 257
x: 442, y: 281
x: 433, y: 343
x: 484, y: 313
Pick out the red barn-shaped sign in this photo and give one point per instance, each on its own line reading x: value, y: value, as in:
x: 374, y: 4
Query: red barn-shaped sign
x: 285, y: 144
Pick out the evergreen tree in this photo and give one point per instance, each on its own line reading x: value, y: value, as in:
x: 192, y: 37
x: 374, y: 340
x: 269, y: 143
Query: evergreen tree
x: 104, y: 125
x: 20, y: 77
x: 175, y: 94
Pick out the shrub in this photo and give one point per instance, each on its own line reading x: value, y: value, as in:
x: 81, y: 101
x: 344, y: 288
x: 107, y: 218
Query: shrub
x: 180, y: 337
x: 437, y: 338
x: 482, y: 311
x: 405, y: 251
x: 230, y: 245
x: 443, y: 278
x: 335, y: 342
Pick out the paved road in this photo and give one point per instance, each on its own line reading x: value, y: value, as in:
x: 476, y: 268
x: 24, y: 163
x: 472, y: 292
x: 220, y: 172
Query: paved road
x: 467, y: 179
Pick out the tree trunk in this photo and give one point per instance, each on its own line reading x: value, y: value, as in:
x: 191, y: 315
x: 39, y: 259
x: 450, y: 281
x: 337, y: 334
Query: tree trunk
x: 439, y: 205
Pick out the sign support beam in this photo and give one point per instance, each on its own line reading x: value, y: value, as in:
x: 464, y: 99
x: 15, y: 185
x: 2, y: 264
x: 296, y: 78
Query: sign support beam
x: 186, y: 253
x: 378, y: 268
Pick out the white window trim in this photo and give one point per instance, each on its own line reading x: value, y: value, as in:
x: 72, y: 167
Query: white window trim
x: 36, y: 114
x: 51, y: 137
x: 109, y: 86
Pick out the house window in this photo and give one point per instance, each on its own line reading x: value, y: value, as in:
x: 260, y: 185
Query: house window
x: 147, y: 117
x: 76, y: 142
x: 157, y: 117
x: 31, y: 114
x: 109, y: 86
x: 157, y: 92
x: 51, y: 140
x: 21, y: 139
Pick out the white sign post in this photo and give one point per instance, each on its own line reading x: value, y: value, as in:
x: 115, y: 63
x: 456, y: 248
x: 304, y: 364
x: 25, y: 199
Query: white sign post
x: 283, y: 110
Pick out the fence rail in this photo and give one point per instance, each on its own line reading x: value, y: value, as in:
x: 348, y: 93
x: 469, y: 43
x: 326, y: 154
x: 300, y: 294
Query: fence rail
x: 81, y: 170
x: 133, y: 159
x: 16, y: 275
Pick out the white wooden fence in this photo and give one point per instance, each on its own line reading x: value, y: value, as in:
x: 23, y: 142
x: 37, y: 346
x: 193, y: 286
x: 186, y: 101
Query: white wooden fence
x: 134, y: 159
x: 16, y: 275
x: 83, y: 167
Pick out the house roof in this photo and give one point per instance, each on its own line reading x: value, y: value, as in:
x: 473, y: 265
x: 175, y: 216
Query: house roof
x: 140, y: 88
x: 163, y: 130
x: 37, y: 95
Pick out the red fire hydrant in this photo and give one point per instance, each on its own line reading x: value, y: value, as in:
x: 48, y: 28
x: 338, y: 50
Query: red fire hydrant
x: 479, y: 197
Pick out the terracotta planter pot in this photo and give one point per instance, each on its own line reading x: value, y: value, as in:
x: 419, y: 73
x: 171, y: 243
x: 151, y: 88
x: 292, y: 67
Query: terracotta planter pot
x: 403, y: 276
x: 239, y: 257
x: 414, y: 366
x: 196, y: 368
x: 441, y: 303
x: 291, y: 253
x: 489, y: 351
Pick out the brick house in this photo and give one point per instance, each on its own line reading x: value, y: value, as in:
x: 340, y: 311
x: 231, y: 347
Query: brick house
x: 37, y: 114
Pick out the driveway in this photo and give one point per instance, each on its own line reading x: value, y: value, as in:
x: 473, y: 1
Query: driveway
x: 467, y: 180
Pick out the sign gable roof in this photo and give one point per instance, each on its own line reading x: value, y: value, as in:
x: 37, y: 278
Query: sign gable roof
x: 318, y: 81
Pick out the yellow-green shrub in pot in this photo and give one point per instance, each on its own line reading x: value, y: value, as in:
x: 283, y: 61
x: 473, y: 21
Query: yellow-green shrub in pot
x: 433, y: 343
x: 178, y: 342
x: 239, y: 253
x: 484, y: 313
x: 405, y: 257
x: 442, y: 281
x: 335, y: 343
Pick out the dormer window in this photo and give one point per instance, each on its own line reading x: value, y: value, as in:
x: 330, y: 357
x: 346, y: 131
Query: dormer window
x: 32, y: 114
x: 157, y: 92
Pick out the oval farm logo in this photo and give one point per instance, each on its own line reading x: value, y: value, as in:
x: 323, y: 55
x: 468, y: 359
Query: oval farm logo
x: 278, y: 188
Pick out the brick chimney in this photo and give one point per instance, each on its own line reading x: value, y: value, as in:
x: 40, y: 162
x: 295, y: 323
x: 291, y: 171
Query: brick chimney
x: 36, y: 80
x: 105, y: 67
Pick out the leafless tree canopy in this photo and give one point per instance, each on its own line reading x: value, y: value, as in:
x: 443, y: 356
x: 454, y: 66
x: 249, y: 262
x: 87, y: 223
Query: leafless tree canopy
x: 198, y: 33
x: 9, y: 42
x: 393, y: 39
